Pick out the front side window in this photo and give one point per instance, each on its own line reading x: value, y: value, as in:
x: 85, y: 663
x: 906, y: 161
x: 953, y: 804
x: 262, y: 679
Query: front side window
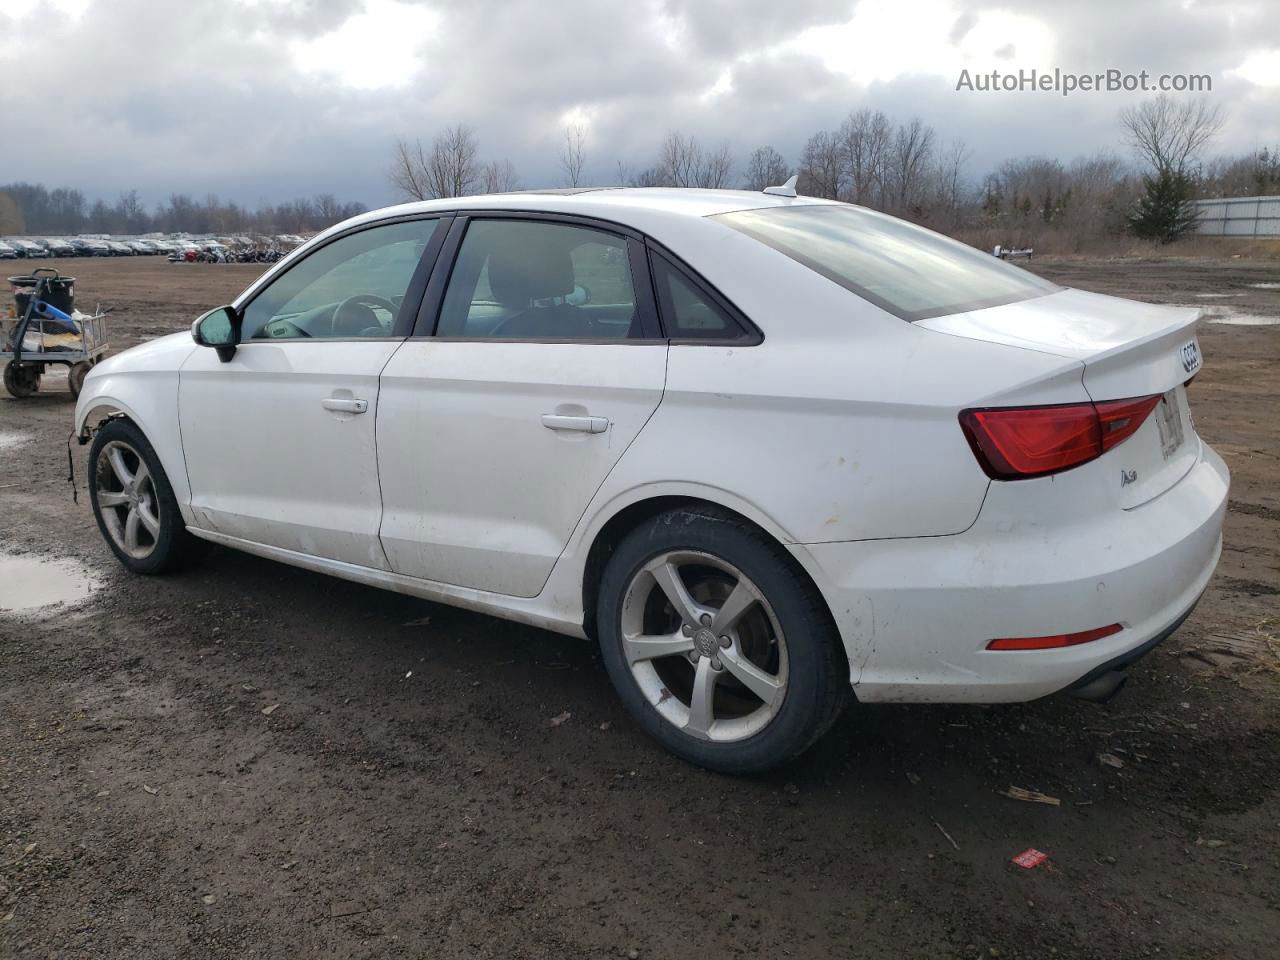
x: 352, y: 287
x: 907, y: 270
x: 539, y: 280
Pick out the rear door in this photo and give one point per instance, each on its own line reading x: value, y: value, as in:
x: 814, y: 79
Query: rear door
x: 495, y: 431
x: 279, y: 442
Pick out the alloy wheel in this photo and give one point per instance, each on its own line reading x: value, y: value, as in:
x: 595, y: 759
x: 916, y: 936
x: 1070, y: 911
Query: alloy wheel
x: 704, y: 646
x: 126, y: 497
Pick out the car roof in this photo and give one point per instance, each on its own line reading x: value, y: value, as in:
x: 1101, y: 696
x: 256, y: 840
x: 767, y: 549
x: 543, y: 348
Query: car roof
x: 680, y: 201
x: 674, y: 216
x: 668, y: 214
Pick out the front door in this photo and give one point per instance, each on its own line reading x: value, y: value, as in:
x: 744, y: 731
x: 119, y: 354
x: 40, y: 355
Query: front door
x: 494, y: 434
x: 279, y: 442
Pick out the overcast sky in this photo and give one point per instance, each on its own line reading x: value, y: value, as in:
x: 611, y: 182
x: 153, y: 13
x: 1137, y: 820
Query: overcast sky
x: 270, y: 99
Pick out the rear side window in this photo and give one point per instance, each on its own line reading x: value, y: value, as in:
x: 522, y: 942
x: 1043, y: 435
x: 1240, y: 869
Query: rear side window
x: 688, y: 310
x: 907, y: 270
x: 538, y: 280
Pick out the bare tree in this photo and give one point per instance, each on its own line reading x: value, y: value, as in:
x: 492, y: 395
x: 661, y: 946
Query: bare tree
x: 950, y: 174
x: 651, y: 177
x: 453, y: 168
x: 11, y: 219
x: 714, y: 170
x: 499, y: 176
x: 1096, y: 175
x: 1256, y: 173
x: 820, y: 166
x: 450, y: 169
x: 1171, y: 136
x: 863, y: 142
x: 765, y: 168
x: 1099, y: 189
x: 879, y: 142
x: 573, y: 156
x: 328, y: 208
x: 680, y: 160
x: 912, y: 151
x: 409, y: 170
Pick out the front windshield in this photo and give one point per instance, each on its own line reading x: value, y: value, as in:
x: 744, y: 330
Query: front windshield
x: 907, y: 270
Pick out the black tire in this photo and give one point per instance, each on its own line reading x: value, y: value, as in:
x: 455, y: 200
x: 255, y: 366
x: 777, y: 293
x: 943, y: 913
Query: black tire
x: 76, y: 375
x: 817, y: 684
x: 21, y: 381
x: 172, y: 547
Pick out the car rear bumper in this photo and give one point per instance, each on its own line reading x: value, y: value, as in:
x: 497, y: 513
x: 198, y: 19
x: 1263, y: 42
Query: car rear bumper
x: 1104, y: 680
x: 917, y: 614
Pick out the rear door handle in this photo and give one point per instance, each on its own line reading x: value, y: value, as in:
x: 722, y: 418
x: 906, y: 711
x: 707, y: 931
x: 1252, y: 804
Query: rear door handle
x: 342, y: 405
x: 553, y: 421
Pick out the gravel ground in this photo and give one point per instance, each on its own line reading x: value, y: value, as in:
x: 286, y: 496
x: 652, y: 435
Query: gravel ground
x: 253, y: 761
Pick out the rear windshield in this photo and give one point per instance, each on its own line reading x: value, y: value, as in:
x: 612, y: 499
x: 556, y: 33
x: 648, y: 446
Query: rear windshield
x: 907, y: 270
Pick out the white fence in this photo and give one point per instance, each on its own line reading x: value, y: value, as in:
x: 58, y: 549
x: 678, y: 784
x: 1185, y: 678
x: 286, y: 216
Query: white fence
x: 1239, y: 217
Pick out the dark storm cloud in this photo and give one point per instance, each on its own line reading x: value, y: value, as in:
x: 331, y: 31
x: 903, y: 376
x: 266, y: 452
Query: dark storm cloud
x: 729, y: 27
x: 208, y: 97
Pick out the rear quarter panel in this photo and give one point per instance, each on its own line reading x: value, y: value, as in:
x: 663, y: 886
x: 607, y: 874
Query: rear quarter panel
x: 842, y: 424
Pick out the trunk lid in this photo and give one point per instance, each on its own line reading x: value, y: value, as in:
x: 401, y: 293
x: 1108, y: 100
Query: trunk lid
x: 1128, y: 349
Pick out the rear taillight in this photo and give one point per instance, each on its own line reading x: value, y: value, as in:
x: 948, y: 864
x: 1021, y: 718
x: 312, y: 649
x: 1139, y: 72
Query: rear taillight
x: 1054, y: 641
x: 1120, y: 419
x: 1015, y: 443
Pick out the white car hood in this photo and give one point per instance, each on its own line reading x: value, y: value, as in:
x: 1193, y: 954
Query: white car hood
x: 161, y: 354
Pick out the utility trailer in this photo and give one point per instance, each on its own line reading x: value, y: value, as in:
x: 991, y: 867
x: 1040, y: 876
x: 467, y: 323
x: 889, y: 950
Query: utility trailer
x: 47, y: 329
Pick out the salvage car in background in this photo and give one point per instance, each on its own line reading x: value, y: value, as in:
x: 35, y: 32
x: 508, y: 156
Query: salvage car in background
x: 29, y: 249
x: 90, y: 247
x: 765, y: 449
x: 58, y: 247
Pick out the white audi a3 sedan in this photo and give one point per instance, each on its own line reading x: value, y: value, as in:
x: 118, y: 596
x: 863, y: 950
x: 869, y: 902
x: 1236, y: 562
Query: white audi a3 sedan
x: 770, y: 452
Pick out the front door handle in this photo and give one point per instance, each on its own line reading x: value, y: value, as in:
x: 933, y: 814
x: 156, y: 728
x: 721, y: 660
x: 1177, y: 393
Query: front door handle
x: 554, y: 421
x: 344, y: 405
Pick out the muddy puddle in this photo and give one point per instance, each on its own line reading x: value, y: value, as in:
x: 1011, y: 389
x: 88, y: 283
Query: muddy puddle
x: 1220, y: 313
x: 30, y: 583
x: 8, y: 440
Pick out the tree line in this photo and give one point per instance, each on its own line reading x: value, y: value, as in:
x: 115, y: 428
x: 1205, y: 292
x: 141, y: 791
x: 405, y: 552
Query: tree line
x: 35, y: 209
x: 903, y: 167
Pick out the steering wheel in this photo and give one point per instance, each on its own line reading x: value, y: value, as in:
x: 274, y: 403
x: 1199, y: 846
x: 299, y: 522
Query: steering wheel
x: 283, y: 330
x: 365, y: 300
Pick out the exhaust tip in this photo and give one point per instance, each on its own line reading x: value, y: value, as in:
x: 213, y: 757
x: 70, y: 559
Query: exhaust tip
x: 1102, y: 688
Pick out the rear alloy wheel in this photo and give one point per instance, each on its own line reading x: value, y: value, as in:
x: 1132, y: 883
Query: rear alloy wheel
x: 717, y: 643
x: 695, y: 627
x: 134, y: 503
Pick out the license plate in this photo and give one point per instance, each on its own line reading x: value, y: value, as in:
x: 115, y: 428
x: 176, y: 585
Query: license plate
x: 1169, y: 420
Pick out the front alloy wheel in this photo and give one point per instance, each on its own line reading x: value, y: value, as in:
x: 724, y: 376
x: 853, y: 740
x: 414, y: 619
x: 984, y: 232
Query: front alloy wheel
x: 134, y: 503
x: 126, y: 498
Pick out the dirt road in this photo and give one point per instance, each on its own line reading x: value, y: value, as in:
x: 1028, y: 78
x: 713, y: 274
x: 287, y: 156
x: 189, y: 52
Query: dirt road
x: 253, y: 761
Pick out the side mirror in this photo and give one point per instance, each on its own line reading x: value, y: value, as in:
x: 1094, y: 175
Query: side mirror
x: 219, y: 329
